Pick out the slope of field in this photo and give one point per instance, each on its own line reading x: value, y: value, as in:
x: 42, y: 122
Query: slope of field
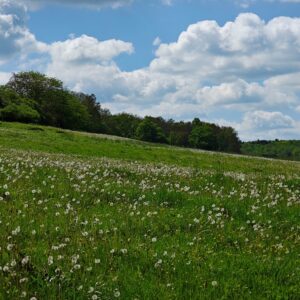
x: 88, y: 217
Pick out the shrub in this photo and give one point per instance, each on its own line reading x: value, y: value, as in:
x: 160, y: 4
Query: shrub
x: 19, y: 113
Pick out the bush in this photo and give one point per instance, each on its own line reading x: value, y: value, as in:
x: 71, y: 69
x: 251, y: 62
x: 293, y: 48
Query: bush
x: 19, y: 113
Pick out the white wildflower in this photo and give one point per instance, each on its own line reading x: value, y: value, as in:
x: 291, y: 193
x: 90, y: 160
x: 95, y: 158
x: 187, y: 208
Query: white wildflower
x: 214, y: 283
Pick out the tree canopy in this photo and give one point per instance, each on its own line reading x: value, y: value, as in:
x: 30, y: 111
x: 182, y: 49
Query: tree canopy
x: 150, y: 132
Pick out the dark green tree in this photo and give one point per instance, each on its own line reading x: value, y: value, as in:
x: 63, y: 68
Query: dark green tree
x: 62, y: 109
x: 203, y: 137
x: 33, y: 85
x: 228, y: 140
x: 150, y: 132
x: 96, y: 122
x: 125, y: 124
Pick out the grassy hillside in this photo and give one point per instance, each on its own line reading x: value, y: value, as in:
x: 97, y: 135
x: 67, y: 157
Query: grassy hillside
x: 91, y: 217
x: 54, y: 140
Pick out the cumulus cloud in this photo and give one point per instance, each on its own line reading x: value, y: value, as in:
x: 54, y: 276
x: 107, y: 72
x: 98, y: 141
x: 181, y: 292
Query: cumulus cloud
x: 263, y: 120
x: 15, y: 38
x: 268, y: 125
x: 86, y: 63
x: 247, y: 48
x: 86, y: 49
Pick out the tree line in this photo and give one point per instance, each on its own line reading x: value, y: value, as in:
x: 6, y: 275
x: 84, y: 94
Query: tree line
x: 32, y: 97
x: 289, y: 149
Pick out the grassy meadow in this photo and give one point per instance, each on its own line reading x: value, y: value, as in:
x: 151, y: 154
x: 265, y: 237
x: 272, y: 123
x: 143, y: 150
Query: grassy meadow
x: 86, y: 216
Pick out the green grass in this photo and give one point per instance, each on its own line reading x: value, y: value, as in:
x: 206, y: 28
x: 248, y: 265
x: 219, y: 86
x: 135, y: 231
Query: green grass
x: 87, y: 217
x: 54, y: 140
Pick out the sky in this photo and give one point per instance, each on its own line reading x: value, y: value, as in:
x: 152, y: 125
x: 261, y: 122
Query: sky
x: 232, y: 62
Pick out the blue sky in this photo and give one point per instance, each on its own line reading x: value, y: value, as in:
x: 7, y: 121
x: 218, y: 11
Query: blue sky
x: 241, y: 68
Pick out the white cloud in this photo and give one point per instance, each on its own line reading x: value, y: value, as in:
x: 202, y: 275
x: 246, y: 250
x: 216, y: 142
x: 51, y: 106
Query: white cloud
x: 86, y: 49
x: 246, y: 48
x: 263, y: 120
x: 157, y: 41
x: 86, y: 63
x: 15, y: 38
x: 268, y: 125
x: 4, y: 77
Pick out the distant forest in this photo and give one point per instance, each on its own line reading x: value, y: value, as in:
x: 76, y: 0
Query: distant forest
x: 32, y: 97
x: 273, y: 149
